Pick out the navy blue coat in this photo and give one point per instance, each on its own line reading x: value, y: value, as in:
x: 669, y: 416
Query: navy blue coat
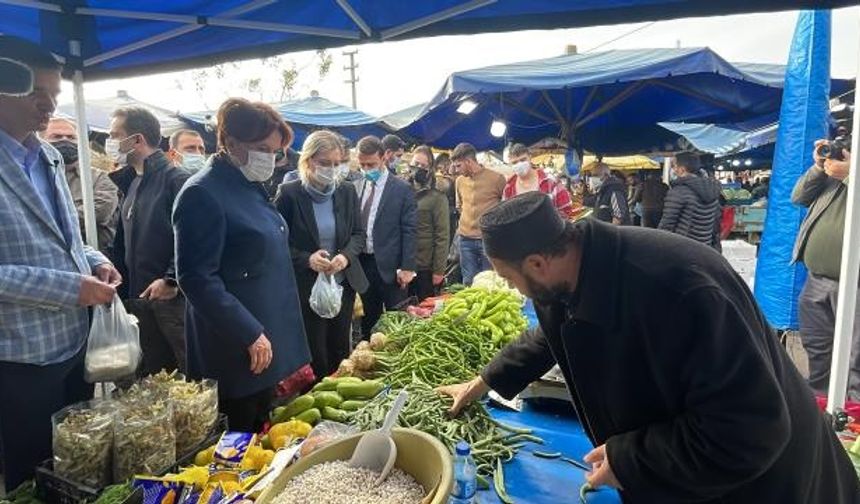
x: 395, y: 228
x: 233, y: 264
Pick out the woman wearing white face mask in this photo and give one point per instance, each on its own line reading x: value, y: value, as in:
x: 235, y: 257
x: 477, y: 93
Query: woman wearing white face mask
x: 326, y: 236
x: 527, y: 179
x: 244, y: 327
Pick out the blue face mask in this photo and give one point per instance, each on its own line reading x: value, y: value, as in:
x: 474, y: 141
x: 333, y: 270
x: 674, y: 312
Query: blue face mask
x: 372, y: 174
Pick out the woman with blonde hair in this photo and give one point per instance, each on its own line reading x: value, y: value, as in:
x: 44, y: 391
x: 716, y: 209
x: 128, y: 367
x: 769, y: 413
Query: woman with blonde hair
x: 326, y: 238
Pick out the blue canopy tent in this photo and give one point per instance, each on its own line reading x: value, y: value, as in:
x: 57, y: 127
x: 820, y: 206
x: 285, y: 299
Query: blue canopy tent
x: 310, y: 114
x: 608, y: 102
x: 99, y: 112
x: 404, y: 117
x: 98, y: 40
x: 725, y: 139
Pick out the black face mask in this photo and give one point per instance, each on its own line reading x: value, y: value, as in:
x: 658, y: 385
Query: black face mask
x: 422, y: 177
x: 68, y: 149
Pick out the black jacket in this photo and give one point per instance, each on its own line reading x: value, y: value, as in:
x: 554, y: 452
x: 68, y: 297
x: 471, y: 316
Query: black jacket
x: 152, y: 255
x: 603, y: 201
x: 692, y: 209
x: 653, y: 194
x: 394, y: 231
x: 671, y: 364
x: 296, y: 207
x: 234, y: 265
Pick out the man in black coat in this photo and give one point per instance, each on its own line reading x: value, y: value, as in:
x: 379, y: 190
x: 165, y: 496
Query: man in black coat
x: 692, y: 206
x: 388, y: 214
x: 143, y: 244
x: 674, y: 373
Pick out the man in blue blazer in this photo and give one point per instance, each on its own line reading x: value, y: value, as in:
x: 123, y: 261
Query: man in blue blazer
x: 48, y: 277
x: 388, y: 213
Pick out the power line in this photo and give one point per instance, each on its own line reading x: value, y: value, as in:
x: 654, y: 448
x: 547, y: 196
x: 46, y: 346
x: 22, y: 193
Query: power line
x: 616, y: 39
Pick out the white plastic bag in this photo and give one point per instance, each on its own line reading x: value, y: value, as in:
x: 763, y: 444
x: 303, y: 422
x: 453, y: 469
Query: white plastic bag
x: 113, y: 348
x: 326, y: 296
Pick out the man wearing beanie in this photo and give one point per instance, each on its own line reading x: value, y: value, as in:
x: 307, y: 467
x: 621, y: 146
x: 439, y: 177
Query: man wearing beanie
x: 674, y: 373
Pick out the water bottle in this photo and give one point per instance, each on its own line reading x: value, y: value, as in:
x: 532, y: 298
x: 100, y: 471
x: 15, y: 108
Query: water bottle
x: 465, y: 476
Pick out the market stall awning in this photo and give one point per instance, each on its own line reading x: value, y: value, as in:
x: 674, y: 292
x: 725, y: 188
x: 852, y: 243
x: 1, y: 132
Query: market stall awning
x: 608, y: 102
x: 147, y: 36
x: 724, y: 139
x: 404, y: 117
x: 99, y: 112
x: 311, y: 114
x: 621, y: 163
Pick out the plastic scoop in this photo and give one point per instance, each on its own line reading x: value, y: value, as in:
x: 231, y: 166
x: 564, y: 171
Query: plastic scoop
x: 376, y: 450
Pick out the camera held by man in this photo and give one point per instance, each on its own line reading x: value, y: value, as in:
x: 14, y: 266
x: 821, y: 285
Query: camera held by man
x: 835, y: 149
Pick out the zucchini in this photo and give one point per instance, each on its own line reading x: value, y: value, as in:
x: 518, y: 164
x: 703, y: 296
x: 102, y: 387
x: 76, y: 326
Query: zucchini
x: 326, y: 398
x: 311, y: 416
x: 364, y: 390
x: 335, y: 415
x: 299, y: 404
x: 352, y: 405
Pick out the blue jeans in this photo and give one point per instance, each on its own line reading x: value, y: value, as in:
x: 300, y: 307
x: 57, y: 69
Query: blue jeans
x: 472, y: 259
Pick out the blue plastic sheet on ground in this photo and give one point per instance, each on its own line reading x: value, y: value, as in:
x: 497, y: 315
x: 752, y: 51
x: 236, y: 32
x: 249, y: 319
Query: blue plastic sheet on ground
x: 536, y: 480
x: 803, y: 119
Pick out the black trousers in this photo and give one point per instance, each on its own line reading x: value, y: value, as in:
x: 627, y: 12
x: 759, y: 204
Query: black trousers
x: 380, y: 296
x: 651, y: 217
x: 162, y: 333
x: 422, y: 287
x: 329, y: 339
x: 248, y: 413
x: 29, y: 395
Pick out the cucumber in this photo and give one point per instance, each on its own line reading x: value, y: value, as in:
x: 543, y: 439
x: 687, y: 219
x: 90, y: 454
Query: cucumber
x: 329, y: 384
x: 335, y: 415
x: 311, y: 416
x: 352, y: 405
x: 299, y: 404
x: 326, y: 398
x: 364, y: 390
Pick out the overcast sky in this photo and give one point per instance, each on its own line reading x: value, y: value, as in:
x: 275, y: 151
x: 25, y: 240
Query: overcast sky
x: 395, y: 75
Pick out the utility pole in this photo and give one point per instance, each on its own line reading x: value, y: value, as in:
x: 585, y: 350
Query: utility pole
x: 352, y: 78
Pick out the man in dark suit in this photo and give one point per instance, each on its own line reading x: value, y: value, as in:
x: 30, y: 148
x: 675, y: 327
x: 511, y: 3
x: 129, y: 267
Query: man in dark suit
x: 388, y: 213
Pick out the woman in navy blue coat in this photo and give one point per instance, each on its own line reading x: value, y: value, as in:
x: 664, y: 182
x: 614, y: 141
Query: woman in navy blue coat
x: 243, y: 318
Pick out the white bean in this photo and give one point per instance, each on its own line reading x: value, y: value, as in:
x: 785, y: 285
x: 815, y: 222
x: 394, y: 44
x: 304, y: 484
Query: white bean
x: 338, y: 483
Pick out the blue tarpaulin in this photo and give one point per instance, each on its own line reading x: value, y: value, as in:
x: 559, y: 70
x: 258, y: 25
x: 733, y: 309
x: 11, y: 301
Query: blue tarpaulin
x: 147, y: 36
x: 724, y: 139
x: 607, y: 102
x: 803, y: 119
x: 99, y: 112
x: 310, y: 114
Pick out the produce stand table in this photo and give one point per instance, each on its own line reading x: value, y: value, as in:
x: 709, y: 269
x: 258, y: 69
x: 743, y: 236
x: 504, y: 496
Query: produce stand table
x: 544, y: 481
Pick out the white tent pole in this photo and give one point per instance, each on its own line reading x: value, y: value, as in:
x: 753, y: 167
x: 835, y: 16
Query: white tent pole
x: 435, y: 18
x: 848, y: 276
x: 667, y: 168
x: 84, y: 162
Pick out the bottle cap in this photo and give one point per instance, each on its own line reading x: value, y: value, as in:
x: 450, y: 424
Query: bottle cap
x: 463, y: 448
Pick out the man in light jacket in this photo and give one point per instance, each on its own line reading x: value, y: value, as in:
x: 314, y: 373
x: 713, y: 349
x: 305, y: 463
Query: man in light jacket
x: 48, y: 277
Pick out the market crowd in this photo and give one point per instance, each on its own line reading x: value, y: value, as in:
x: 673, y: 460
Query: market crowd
x: 220, y: 258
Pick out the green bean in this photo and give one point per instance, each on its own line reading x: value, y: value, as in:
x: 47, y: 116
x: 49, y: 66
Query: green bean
x: 576, y: 463
x: 499, y: 483
x: 583, y: 490
x: 546, y: 455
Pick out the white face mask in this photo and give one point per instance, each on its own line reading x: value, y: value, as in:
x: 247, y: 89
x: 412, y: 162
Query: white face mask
x: 594, y: 183
x: 342, y: 171
x: 325, y: 174
x: 193, y: 162
x: 112, y: 150
x: 522, y: 168
x: 260, y: 166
